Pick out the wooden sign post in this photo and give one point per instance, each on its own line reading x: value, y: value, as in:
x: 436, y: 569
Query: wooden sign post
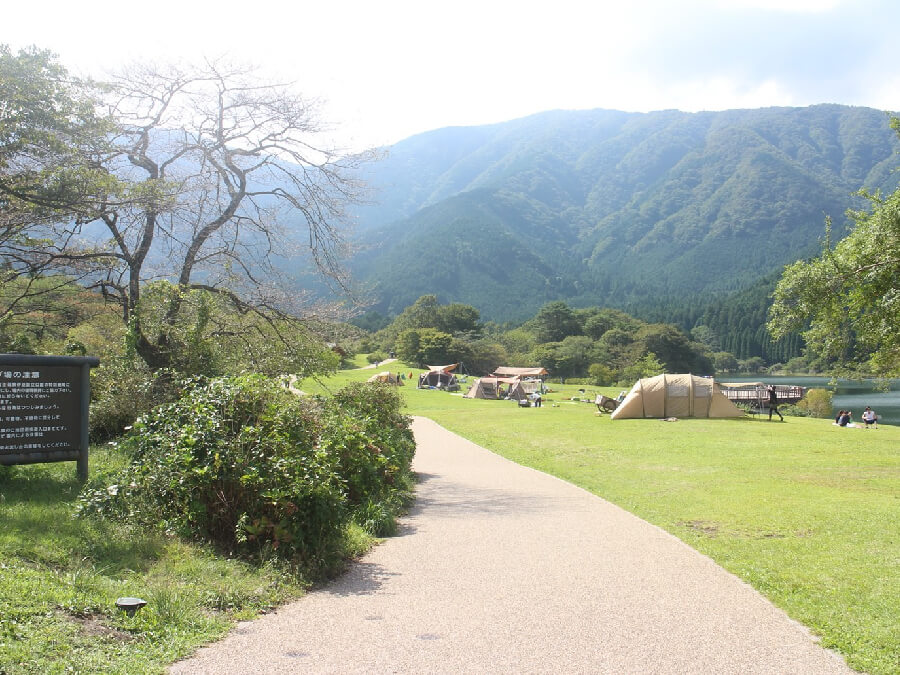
x: 44, y: 403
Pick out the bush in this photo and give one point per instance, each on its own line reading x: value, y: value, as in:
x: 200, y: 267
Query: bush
x: 373, y: 445
x: 235, y: 462
x: 123, y: 389
x: 376, y: 357
x: 246, y: 465
x: 817, y: 403
x: 602, y: 375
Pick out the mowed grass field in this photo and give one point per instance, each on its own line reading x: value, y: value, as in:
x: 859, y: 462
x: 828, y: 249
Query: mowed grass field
x: 806, y: 512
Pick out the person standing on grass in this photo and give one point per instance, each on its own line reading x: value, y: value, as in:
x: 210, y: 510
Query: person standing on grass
x: 869, y: 417
x: 773, y: 403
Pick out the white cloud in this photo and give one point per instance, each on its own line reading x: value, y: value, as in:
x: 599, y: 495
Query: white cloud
x: 391, y: 69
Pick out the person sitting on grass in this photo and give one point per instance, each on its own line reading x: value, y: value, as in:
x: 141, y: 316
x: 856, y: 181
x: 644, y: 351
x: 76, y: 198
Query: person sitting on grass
x: 869, y: 417
x: 845, y: 419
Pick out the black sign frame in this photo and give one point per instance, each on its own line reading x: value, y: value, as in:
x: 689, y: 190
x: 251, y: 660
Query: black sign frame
x: 44, y: 406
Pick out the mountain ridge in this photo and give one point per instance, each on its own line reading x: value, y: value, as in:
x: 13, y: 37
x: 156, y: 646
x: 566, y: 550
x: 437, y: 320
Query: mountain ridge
x: 608, y: 207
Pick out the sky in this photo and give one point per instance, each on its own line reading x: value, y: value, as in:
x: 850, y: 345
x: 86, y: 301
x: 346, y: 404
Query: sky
x: 386, y: 70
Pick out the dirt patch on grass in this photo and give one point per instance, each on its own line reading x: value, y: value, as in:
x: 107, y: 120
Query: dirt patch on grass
x: 704, y: 527
x: 92, y: 625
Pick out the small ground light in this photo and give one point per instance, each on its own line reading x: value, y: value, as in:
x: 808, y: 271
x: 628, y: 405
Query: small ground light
x: 130, y: 605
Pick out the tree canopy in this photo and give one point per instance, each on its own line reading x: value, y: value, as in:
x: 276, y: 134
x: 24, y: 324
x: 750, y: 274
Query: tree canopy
x: 848, y: 298
x: 205, y: 176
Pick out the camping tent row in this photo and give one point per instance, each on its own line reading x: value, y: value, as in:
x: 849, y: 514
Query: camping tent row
x: 681, y: 395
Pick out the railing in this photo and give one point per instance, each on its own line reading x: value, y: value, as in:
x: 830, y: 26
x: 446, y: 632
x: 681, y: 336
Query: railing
x: 760, y: 395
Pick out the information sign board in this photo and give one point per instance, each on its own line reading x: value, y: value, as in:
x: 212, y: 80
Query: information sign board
x: 44, y: 403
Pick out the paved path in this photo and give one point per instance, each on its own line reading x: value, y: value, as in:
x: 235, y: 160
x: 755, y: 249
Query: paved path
x: 502, y: 569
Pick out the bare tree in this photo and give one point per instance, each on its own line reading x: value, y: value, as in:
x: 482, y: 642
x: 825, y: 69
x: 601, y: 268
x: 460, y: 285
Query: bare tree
x: 218, y: 185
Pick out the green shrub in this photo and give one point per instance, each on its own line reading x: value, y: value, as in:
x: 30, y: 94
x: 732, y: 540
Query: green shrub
x: 123, y: 389
x: 235, y: 462
x: 376, y: 357
x: 372, y: 443
x: 817, y: 403
x: 244, y: 464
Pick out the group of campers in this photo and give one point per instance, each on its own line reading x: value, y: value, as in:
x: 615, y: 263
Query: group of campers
x: 844, y: 418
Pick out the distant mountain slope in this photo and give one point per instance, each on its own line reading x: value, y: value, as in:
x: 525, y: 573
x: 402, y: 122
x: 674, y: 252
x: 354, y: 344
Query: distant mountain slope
x: 607, y: 207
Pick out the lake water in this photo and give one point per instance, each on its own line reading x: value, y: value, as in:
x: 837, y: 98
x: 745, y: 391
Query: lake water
x: 853, y: 395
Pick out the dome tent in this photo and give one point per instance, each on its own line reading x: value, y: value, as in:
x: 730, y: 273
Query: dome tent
x: 439, y: 377
x: 681, y: 395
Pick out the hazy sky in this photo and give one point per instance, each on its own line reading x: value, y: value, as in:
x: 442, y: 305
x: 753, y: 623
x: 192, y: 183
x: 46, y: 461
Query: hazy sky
x: 389, y: 69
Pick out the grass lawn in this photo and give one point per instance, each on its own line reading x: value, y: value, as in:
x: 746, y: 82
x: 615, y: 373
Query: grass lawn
x: 806, y: 512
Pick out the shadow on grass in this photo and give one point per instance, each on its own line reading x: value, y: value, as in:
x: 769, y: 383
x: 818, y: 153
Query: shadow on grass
x: 38, y: 512
x: 27, y: 484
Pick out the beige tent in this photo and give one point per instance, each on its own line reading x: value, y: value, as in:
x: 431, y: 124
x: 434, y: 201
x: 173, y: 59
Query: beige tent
x: 387, y: 377
x: 491, y: 387
x: 675, y: 396
x: 483, y: 387
x: 519, y: 391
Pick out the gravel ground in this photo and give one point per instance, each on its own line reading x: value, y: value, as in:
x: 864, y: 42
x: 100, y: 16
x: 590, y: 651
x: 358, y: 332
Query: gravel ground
x: 503, y: 569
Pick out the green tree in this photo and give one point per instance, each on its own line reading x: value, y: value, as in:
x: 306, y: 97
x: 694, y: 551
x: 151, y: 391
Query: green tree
x: 753, y: 365
x: 818, y: 403
x: 207, y: 165
x: 706, y: 336
x: 604, y: 320
x: 426, y: 312
x: 545, y: 355
x: 518, y: 342
x: 53, y: 140
x: 674, y: 349
x: 554, y: 322
x: 426, y: 346
x: 848, y: 298
x: 423, y: 313
x: 459, y: 319
x: 52, y: 147
x: 573, y: 355
x: 485, y: 355
x: 602, y: 375
x: 616, y: 338
x: 724, y: 362
x: 646, y: 366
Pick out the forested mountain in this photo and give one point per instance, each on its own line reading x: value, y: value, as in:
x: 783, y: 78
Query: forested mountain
x: 656, y: 212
